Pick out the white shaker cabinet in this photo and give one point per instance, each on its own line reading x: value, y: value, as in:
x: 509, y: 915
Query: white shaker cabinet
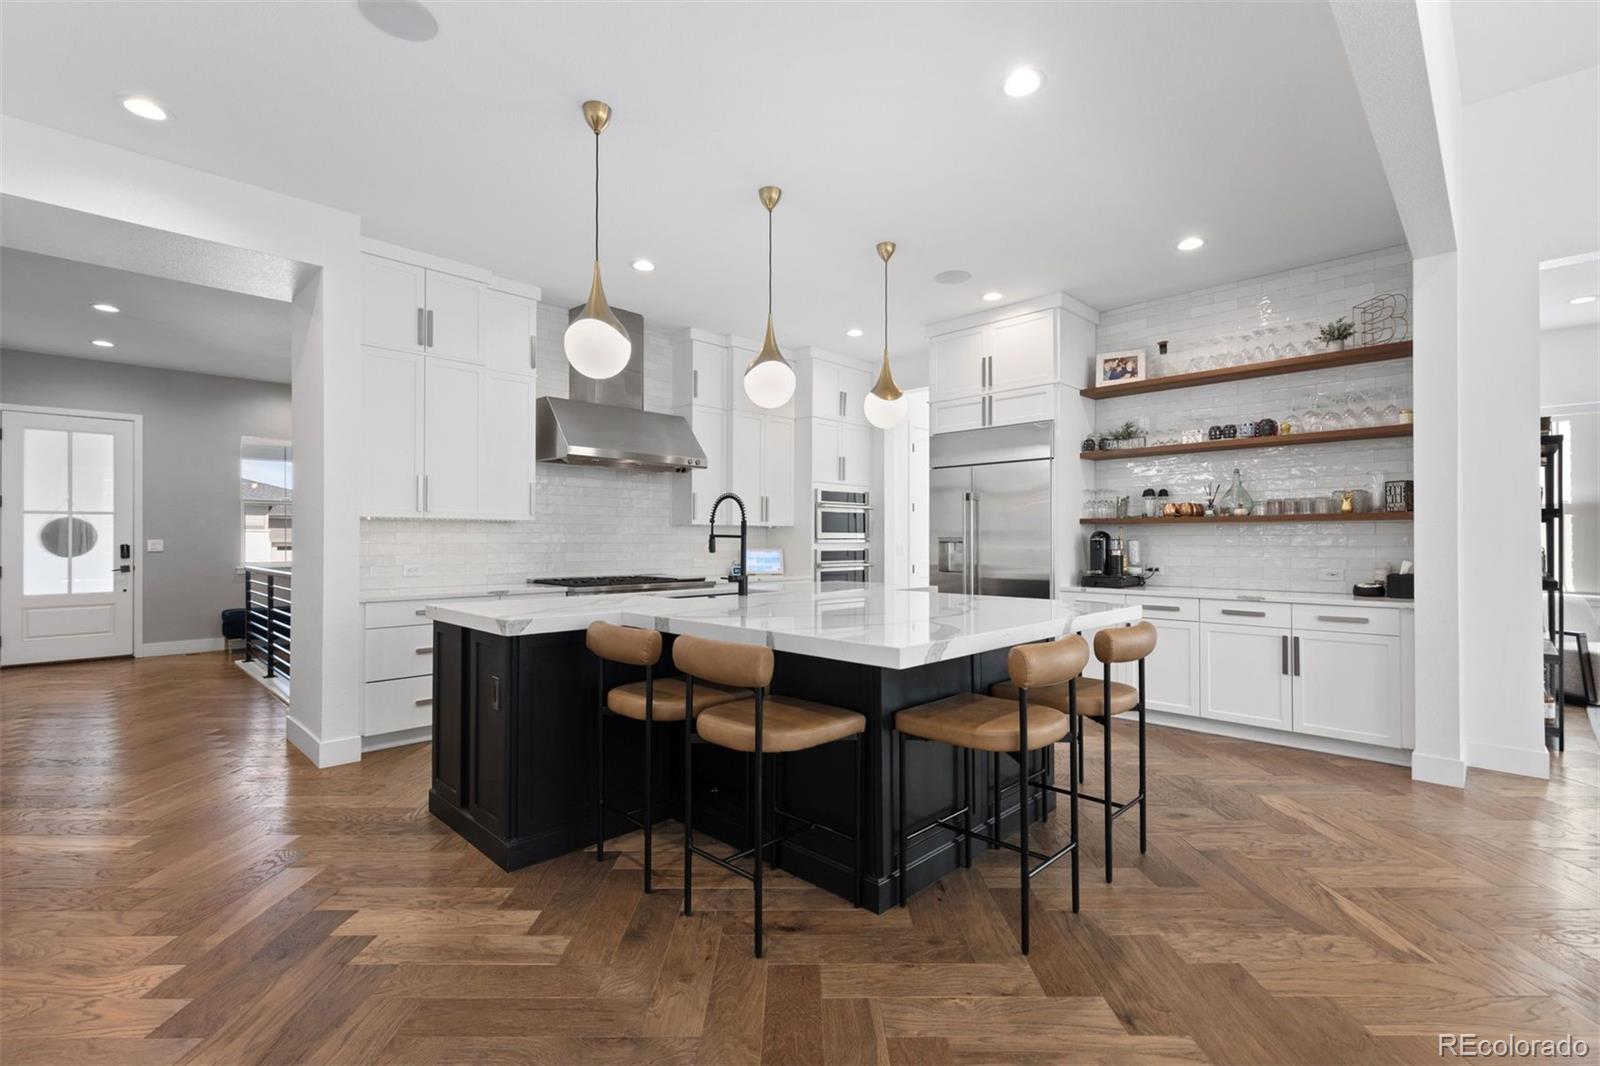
x: 450, y: 438
x: 1172, y: 671
x: 746, y: 433
x: 506, y: 445
x: 455, y: 311
x: 1244, y: 674
x: 693, y: 492
x: 391, y: 432
x: 393, y: 304
x: 836, y: 391
x: 957, y: 364
x: 1347, y: 685
x: 507, y: 326
x: 1022, y: 351
x: 841, y: 454
x: 777, y: 478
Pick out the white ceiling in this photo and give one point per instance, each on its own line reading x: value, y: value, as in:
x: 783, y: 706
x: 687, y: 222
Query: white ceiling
x: 1505, y: 45
x: 880, y: 121
x: 46, y: 305
x: 1557, y: 287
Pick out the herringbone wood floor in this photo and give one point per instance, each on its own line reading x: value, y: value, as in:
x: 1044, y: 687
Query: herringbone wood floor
x: 177, y: 885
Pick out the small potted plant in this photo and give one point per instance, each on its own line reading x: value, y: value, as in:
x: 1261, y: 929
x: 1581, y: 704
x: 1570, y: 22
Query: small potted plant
x: 1127, y: 436
x: 1337, y: 334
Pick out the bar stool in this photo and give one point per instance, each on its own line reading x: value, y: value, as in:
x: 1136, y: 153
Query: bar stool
x: 1119, y: 645
x: 760, y: 725
x: 649, y: 701
x: 975, y: 723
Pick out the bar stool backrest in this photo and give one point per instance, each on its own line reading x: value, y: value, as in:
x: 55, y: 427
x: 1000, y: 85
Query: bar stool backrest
x: 624, y: 644
x: 723, y: 663
x: 1125, y: 644
x: 1054, y: 663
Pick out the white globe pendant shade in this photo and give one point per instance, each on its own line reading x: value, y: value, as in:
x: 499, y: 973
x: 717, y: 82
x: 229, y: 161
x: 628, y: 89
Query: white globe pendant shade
x: 884, y: 414
x: 596, y: 349
x: 769, y: 383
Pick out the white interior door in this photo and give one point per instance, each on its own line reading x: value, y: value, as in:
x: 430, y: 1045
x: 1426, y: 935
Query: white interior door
x: 66, y: 564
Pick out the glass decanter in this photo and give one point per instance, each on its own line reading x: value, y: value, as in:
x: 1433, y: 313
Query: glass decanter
x: 1234, y: 499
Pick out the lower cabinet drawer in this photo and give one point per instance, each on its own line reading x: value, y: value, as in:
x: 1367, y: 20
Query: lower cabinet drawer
x: 406, y: 703
x: 1380, y: 620
x: 1245, y: 613
x: 403, y: 651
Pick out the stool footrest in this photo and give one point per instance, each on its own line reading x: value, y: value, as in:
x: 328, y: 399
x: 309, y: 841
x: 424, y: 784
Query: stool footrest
x: 1045, y: 858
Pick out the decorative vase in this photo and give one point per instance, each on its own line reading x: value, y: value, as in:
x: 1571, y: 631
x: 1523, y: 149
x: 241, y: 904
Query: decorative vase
x: 1235, y: 500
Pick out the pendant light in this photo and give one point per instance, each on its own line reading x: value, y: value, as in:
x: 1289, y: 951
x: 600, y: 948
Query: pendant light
x: 597, y: 346
x: 769, y: 379
x: 885, y: 405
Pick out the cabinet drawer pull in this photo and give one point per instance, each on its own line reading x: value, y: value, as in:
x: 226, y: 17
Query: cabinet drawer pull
x: 694, y: 384
x: 1343, y: 618
x: 1285, y: 667
x: 424, y: 701
x: 422, y: 328
x: 425, y: 651
x: 1160, y: 607
x: 421, y: 612
x: 1243, y: 614
x: 1296, y: 656
x: 430, y: 327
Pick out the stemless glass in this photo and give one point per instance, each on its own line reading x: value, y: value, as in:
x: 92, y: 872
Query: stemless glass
x: 1391, y: 410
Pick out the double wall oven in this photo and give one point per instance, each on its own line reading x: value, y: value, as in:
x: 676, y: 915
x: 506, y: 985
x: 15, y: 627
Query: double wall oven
x: 843, y: 525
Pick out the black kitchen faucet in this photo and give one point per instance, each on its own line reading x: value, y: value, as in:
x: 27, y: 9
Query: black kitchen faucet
x: 711, y: 541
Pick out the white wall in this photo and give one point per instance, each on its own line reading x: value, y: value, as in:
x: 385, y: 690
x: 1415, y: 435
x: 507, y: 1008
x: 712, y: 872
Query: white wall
x: 1530, y: 168
x: 55, y: 168
x: 1569, y: 368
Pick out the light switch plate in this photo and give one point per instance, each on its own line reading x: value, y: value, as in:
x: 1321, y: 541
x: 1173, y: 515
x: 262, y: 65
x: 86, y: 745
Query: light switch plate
x: 411, y: 570
x: 155, y: 545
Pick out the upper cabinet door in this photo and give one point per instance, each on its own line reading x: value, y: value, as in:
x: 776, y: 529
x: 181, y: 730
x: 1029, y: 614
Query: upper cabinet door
x: 855, y: 455
x: 825, y: 451
x: 505, y: 446
x: 708, y: 375
x: 392, y: 304
x: 968, y: 412
x: 956, y: 365
x: 455, y: 312
x: 391, y: 432
x: 778, y: 475
x: 825, y: 390
x: 745, y: 435
x: 506, y: 329
x: 710, y: 425
x: 853, y: 385
x: 1022, y: 351
x: 450, y: 438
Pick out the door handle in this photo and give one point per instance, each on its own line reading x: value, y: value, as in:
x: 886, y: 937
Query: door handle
x: 1244, y: 614
x: 1296, y: 656
x: 422, y: 328
x: 430, y: 327
x: 424, y: 701
x: 694, y: 384
x: 1284, y: 668
x: 425, y: 651
x: 1343, y: 618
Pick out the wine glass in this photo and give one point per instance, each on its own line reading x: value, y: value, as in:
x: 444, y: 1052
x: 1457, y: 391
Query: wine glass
x: 1369, y: 410
x: 1391, y: 411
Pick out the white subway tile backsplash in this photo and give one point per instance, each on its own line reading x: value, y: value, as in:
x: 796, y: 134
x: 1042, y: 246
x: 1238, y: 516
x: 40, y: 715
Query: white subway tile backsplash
x: 1291, y: 556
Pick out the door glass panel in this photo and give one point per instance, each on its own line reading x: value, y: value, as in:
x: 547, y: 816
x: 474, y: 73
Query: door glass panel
x: 92, y: 536
x: 46, y: 547
x: 44, y: 470
x: 94, y: 475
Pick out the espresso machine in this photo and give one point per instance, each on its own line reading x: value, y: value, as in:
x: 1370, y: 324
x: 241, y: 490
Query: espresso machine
x: 1114, y: 563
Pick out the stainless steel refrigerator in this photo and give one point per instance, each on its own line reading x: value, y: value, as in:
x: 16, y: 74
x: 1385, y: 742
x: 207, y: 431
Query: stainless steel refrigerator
x: 990, y: 511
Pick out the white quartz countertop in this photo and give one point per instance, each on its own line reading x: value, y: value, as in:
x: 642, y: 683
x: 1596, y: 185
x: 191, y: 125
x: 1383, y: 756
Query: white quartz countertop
x: 868, y: 624
x: 1330, y: 599
x: 459, y: 592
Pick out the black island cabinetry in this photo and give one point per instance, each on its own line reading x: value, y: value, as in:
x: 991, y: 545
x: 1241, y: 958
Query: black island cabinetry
x: 514, y: 722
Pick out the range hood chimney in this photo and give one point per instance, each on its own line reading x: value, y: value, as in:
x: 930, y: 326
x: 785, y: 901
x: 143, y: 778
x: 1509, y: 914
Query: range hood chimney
x: 604, y: 423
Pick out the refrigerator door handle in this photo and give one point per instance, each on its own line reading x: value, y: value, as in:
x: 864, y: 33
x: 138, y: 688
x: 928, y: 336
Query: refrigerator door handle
x: 974, y: 560
x: 966, y: 543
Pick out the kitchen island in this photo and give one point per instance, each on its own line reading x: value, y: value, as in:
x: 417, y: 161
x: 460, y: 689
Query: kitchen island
x: 515, y: 696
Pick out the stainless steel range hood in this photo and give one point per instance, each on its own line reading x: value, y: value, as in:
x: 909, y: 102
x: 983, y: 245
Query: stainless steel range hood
x: 604, y: 423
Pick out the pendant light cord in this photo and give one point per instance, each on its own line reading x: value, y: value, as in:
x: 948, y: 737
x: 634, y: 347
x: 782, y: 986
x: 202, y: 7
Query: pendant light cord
x: 597, y: 196
x: 886, y: 308
x: 769, y: 264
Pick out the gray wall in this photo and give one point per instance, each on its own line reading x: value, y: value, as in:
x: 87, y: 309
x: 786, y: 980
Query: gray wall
x: 192, y: 426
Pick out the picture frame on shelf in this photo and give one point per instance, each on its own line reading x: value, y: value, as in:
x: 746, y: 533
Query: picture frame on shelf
x: 1119, y: 368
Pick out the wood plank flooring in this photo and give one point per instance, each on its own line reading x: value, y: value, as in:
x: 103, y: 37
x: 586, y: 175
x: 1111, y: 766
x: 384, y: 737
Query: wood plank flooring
x: 177, y: 885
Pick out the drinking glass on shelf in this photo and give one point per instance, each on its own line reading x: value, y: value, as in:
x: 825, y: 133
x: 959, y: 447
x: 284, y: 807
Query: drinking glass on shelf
x: 1391, y: 410
x: 1370, y: 415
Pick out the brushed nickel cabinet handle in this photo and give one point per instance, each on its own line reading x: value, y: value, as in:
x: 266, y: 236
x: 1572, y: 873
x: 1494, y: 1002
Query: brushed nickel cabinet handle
x: 425, y: 651
x: 1353, y: 620
x: 1160, y: 607
x: 421, y: 612
x: 425, y: 701
x: 430, y: 327
x: 422, y: 328
x: 694, y: 384
x: 1244, y: 614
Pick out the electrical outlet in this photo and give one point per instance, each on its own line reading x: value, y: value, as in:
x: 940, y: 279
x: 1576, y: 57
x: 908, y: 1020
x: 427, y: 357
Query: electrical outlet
x: 1332, y: 574
x: 155, y: 545
x: 411, y: 570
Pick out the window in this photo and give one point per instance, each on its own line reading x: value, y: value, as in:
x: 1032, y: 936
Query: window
x: 1581, y: 493
x: 266, y: 499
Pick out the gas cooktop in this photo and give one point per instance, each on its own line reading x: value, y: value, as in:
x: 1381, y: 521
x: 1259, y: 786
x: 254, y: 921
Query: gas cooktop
x: 586, y: 586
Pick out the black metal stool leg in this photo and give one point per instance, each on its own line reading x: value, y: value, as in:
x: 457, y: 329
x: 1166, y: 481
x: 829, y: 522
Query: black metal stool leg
x: 1023, y: 813
x: 688, y: 796
x: 649, y: 765
x: 758, y: 818
x: 1143, y: 832
x: 967, y: 800
x: 1075, y: 732
x: 600, y: 766
x: 1105, y: 724
x: 994, y: 791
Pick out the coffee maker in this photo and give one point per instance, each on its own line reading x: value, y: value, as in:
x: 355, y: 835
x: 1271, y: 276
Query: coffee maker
x: 1108, y: 564
x: 1099, y: 552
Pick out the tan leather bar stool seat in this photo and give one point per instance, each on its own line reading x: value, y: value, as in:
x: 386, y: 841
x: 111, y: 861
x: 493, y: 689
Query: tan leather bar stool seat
x: 1091, y: 697
x: 628, y: 700
x: 623, y: 644
x: 787, y: 724
x: 983, y: 723
x: 1125, y: 644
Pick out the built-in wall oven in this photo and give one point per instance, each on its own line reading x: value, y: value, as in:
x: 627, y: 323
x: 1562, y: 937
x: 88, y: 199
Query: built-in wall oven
x: 843, y: 564
x: 843, y: 515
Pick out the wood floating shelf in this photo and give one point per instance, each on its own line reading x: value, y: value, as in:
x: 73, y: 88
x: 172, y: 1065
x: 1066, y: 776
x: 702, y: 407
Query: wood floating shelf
x: 1200, y: 520
x: 1373, y: 353
x: 1282, y: 440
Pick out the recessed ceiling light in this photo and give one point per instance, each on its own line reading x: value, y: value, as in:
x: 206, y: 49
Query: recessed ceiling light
x: 102, y: 344
x: 643, y: 266
x: 109, y: 309
x: 852, y: 332
x: 952, y: 277
x: 1024, y: 81
x: 145, y: 107
x: 991, y: 296
x: 1189, y: 244
x: 405, y: 19
x: 1583, y: 299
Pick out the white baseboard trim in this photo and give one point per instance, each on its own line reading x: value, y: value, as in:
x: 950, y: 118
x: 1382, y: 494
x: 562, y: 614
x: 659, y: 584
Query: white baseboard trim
x: 1438, y: 770
x: 1525, y: 762
x: 180, y: 647
x: 399, y: 738
x: 322, y: 753
x: 1325, y: 745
